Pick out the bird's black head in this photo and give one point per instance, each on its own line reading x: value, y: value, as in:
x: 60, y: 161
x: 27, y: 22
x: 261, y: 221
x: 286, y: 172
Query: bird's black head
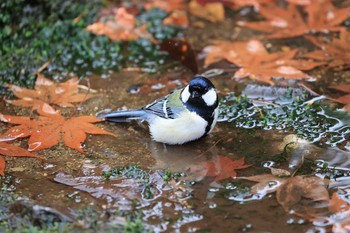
x: 200, y: 92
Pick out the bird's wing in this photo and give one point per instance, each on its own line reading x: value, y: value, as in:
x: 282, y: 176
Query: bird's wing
x: 168, y: 107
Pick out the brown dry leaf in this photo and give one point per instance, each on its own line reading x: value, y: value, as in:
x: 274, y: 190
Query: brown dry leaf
x: 279, y: 172
x: 288, y: 22
x: 121, y: 28
x: 166, y: 5
x: 336, y: 54
x: 296, y: 188
x: 177, y: 18
x: 222, y: 168
x: 49, y: 92
x: 11, y: 150
x: 255, y: 62
x: 214, y: 12
x: 46, y: 130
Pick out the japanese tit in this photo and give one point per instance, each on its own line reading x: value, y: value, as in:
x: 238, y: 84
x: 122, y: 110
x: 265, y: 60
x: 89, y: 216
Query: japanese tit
x: 182, y: 116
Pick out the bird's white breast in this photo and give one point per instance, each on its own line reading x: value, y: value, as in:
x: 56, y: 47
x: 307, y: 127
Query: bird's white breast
x: 187, y: 127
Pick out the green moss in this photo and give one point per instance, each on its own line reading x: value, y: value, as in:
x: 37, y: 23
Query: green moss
x: 46, y: 31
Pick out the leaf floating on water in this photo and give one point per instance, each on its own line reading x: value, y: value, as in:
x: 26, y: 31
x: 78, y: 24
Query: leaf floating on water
x: 46, y: 130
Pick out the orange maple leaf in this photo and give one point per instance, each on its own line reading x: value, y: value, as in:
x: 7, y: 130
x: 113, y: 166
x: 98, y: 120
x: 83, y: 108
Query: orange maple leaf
x: 177, y: 18
x: 288, y: 22
x: 213, y: 11
x: 46, y: 130
x: 11, y: 150
x: 336, y: 54
x: 121, y: 28
x: 49, y: 92
x: 165, y: 5
x: 222, y: 168
x: 254, y: 61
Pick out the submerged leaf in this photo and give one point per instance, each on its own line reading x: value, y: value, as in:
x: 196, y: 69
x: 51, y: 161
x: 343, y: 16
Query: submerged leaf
x: 221, y: 169
x: 296, y: 188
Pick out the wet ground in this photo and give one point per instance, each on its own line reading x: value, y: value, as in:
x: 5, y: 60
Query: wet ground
x: 69, y: 182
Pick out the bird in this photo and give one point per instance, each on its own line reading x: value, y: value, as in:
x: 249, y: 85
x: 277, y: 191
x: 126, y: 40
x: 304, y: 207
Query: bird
x: 183, y: 116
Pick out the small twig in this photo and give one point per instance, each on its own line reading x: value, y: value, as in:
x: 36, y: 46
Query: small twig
x: 43, y: 67
x: 299, y: 166
x: 308, y: 89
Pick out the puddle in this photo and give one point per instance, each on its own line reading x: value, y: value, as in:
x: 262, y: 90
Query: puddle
x: 164, y: 196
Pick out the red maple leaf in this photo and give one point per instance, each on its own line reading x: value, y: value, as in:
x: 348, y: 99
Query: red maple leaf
x: 49, y: 92
x: 222, y: 168
x: 46, y: 130
x: 11, y: 150
x: 257, y: 63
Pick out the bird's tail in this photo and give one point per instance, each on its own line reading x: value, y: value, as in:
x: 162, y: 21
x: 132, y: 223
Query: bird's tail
x: 124, y: 115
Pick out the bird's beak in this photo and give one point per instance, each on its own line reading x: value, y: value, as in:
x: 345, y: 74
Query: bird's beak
x: 195, y: 94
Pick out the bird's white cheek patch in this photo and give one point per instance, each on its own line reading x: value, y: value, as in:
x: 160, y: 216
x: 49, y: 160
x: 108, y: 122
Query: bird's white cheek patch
x: 185, y: 95
x: 210, y: 97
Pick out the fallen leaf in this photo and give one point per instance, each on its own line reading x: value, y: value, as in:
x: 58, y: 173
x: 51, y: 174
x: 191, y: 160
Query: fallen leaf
x: 168, y: 6
x: 46, y: 130
x: 222, y: 168
x: 177, y: 18
x: 321, y: 16
x: 49, y: 92
x: 214, y: 12
x: 279, y: 172
x: 294, y: 189
x: 238, y: 3
x: 11, y: 150
x: 279, y: 23
x: 121, y: 28
x: 255, y: 62
x: 2, y: 166
x: 336, y: 54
